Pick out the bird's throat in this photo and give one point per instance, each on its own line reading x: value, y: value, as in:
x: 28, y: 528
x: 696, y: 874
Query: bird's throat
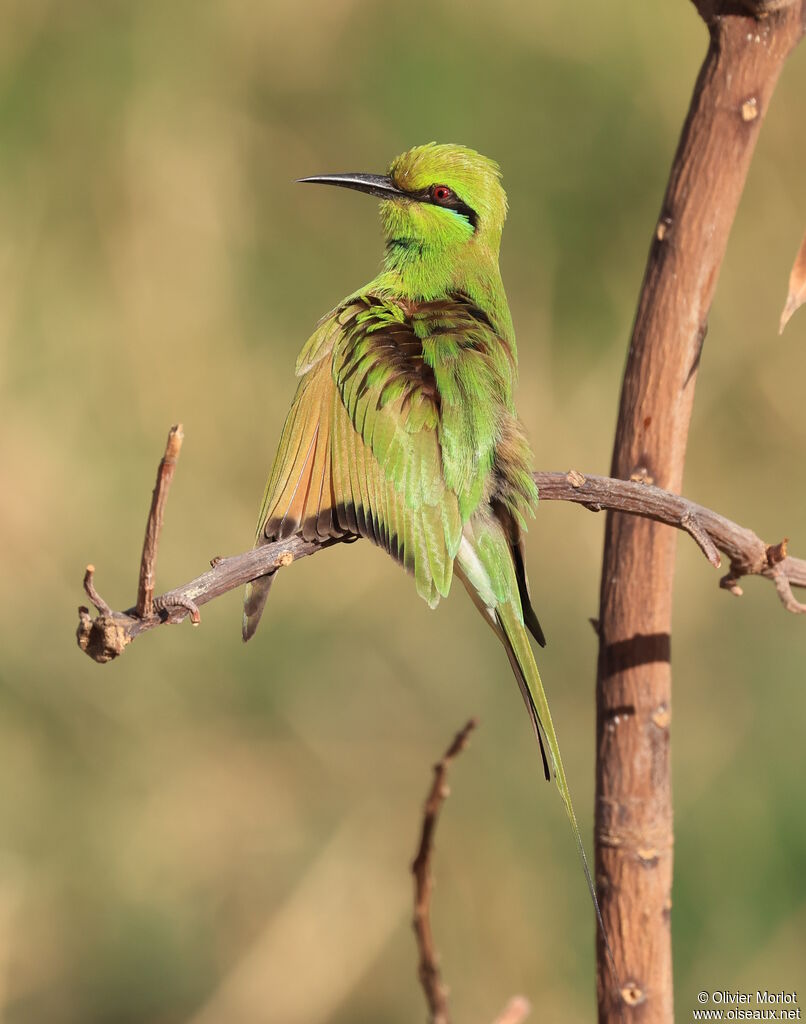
x: 418, y: 270
x: 415, y: 270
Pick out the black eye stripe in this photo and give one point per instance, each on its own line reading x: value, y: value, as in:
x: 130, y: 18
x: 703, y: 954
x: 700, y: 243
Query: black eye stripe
x: 453, y: 202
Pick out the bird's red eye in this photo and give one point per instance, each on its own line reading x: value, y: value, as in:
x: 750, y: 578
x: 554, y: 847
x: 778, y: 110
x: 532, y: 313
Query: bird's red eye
x: 441, y: 193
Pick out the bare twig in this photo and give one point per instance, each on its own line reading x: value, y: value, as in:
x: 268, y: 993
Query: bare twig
x: 89, y: 586
x: 748, y: 554
x: 436, y: 994
x: 145, y: 590
x: 435, y: 990
x: 107, y: 635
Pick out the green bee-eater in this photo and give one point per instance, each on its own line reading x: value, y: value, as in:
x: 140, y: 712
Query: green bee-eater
x: 403, y: 429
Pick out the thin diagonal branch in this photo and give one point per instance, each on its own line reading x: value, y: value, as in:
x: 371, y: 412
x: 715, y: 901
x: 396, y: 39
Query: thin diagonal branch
x: 747, y: 553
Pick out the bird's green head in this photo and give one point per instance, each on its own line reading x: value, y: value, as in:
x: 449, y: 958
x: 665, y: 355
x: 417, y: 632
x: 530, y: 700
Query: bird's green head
x: 442, y: 207
x: 449, y: 197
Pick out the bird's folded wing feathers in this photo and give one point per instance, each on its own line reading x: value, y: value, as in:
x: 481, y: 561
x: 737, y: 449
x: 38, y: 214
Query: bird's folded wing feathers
x: 360, y: 451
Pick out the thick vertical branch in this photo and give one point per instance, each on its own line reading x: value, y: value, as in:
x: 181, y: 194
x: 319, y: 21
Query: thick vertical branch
x: 633, y: 792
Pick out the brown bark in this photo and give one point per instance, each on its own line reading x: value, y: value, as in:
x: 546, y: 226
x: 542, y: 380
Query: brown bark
x: 434, y: 988
x: 107, y: 635
x: 148, y: 559
x: 633, y: 836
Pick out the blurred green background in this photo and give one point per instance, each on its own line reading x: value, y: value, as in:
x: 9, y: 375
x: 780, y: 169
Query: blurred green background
x: 205, y: 832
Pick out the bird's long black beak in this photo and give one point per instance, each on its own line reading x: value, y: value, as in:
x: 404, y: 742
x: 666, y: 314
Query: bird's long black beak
x: 373, y: 184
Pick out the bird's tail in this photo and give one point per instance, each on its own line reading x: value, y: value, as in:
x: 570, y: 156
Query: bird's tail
x: 516, y: 641
x: 486, y: 567
x: 254, y: 602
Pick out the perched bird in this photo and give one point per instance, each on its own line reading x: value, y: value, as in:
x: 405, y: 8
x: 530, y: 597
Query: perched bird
x: 403, y: 429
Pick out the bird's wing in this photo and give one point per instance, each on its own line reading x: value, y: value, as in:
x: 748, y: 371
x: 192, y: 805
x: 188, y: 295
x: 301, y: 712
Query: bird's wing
x: 299, y: 496
x: 386, y: 438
